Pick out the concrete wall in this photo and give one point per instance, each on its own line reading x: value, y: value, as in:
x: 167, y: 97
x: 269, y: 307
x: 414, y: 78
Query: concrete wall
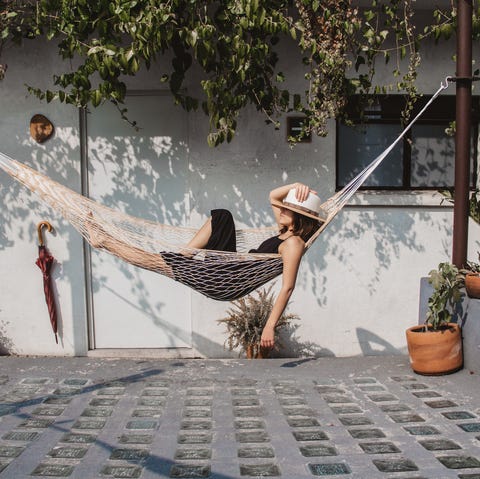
x: 358, y: 286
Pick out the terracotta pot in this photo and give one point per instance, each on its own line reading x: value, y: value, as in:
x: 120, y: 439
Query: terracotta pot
x: 254, y: 352
x: 472, y: 285
x: 435, y: 352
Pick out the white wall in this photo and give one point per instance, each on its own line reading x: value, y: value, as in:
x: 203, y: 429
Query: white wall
x: 358, y: 286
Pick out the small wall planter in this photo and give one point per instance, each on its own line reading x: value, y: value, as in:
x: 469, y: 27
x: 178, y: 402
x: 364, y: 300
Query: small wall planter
x: 435, y: 352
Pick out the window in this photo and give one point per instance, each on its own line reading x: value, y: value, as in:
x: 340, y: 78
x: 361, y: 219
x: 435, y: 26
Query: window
x: 423, y: 160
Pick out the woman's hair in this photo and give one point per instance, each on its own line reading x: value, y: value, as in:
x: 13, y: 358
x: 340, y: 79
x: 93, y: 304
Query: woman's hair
x: 303, y: 226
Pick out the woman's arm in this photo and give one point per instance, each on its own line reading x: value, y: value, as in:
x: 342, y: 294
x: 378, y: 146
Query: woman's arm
x: 291, y: 251
x: 278, y: 194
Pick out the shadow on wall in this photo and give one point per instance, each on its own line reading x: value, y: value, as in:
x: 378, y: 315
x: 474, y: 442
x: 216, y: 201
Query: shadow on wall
x: 6, y: 344
x: 373, y: 345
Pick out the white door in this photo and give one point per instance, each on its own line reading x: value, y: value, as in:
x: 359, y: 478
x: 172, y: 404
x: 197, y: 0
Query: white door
x: 143, y: 173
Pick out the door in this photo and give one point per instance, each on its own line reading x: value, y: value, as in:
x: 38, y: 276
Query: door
x: 143, y: 173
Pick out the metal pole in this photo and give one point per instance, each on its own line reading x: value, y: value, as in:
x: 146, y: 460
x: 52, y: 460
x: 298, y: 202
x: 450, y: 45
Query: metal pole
x: 462, y: 137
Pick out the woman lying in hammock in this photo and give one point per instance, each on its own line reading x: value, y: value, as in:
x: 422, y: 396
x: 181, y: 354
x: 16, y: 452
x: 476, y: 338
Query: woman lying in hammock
x: 298, y: 215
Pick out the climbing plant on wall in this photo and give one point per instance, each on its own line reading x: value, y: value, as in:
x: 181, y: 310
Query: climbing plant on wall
x: 235, y: 46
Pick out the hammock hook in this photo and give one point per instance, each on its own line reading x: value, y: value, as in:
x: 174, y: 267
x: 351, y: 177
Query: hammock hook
x: 40, y: 226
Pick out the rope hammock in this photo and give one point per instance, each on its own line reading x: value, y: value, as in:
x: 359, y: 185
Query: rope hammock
x: 161, y: 248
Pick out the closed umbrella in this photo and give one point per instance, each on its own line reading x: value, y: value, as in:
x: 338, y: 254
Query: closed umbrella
x: 45, y: 262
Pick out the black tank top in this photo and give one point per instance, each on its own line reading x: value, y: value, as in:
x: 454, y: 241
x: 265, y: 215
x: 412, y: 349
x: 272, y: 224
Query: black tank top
x: 268, y: 246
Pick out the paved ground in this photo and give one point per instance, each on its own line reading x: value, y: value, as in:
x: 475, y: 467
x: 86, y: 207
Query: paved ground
x: 337, y: 418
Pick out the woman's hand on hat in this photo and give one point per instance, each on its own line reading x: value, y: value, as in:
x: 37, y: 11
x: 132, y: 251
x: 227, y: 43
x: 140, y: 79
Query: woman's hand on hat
x: 302, y: 191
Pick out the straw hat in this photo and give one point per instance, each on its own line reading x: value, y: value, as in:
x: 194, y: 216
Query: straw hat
x: 311, y: 207
x: 41, y: 128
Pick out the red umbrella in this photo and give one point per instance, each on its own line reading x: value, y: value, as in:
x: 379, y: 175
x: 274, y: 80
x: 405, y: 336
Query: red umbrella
x: 45, y: 262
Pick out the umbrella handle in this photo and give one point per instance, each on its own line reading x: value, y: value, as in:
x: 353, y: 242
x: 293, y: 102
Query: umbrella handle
x: 40, y: 233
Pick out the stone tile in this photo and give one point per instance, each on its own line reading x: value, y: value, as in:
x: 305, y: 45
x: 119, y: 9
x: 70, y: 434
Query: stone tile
x: 129, y: 454
x: 75, y: 382
x: 347, y: 409
x: 192, y: 402
x: 329, y: 469
x: 442, y: 403
x: 337, y: 399
x: 406, y: 417
x: 248, y: 411
x: 459, y: 462
x: 382, y: 397
x: 256, y: 452
x: 199, y: 392
x: 136, y: 439
x: 58, y: 400
x: 394, y: 407
x: 151, y: 401
x: 89, y: 424
x: 192, y: 454
x: 197, y: 413
x: 299, y: 411
x: 155, y: 413
x: 155, y: 392
x: 243, y: 392
x: 318, y: 450
x: 364, y: 380
x: 48, y: 411
x: 6, y: 409
x: 103, y: 402
x: 246, y: 401
x: 244, y: 382
x: 329, y: 390
x: 470, y: 427
x: 469, y: 476
x: 366, y: 433
x: 79, y: 438
x: 67, y: 391
x: 395, y: 465
x: 142, y: 424
x: 21, y: 436
x: 111, y: 391
x: 158, y: 383
x: 252, y: 436
x: 130, y: 472
x: 355, y: 420
x: 53, y: 470
x: 302, y: 422
x: 194, y: 438
x: 403, y: 378
x: 187, y: 470
x: 249, y: 424
x: 292, y: 401
x: 439, y: 444
x: 68, y: 452
x: 372, y: 388
x: 262, y: 470
x: 36, y: 423
x: 415, y: 386
x: 379, y: 447
x: 426, y: 394
x: 3, y: 465
x: 288, y: 391
x: 196, y: 425
x: 310, y: 435
x: 11, y: 451
x: 34, y: 381
x: 421, y: 430
x: 457, y: 415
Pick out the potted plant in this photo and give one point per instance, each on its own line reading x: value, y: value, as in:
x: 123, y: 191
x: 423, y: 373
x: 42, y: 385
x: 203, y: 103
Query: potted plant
x: 436, y: 346
x: 472, y: 279
x: 246, y: 319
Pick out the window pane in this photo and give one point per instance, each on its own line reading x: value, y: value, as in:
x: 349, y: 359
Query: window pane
x: 433, y: 156
x: 360, y: 145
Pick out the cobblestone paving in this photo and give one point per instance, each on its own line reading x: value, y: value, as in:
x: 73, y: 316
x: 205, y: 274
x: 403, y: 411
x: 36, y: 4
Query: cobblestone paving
x: 234, y: 419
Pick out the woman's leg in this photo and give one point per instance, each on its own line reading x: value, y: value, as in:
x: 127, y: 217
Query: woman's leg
x: 200, y: 240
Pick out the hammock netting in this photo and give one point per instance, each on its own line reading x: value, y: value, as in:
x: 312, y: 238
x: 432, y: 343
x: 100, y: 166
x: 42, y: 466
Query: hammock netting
x: 161, y: 248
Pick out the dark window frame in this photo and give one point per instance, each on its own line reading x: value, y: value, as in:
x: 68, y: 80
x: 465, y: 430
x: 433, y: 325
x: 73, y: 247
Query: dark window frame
x: 441, y: 112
